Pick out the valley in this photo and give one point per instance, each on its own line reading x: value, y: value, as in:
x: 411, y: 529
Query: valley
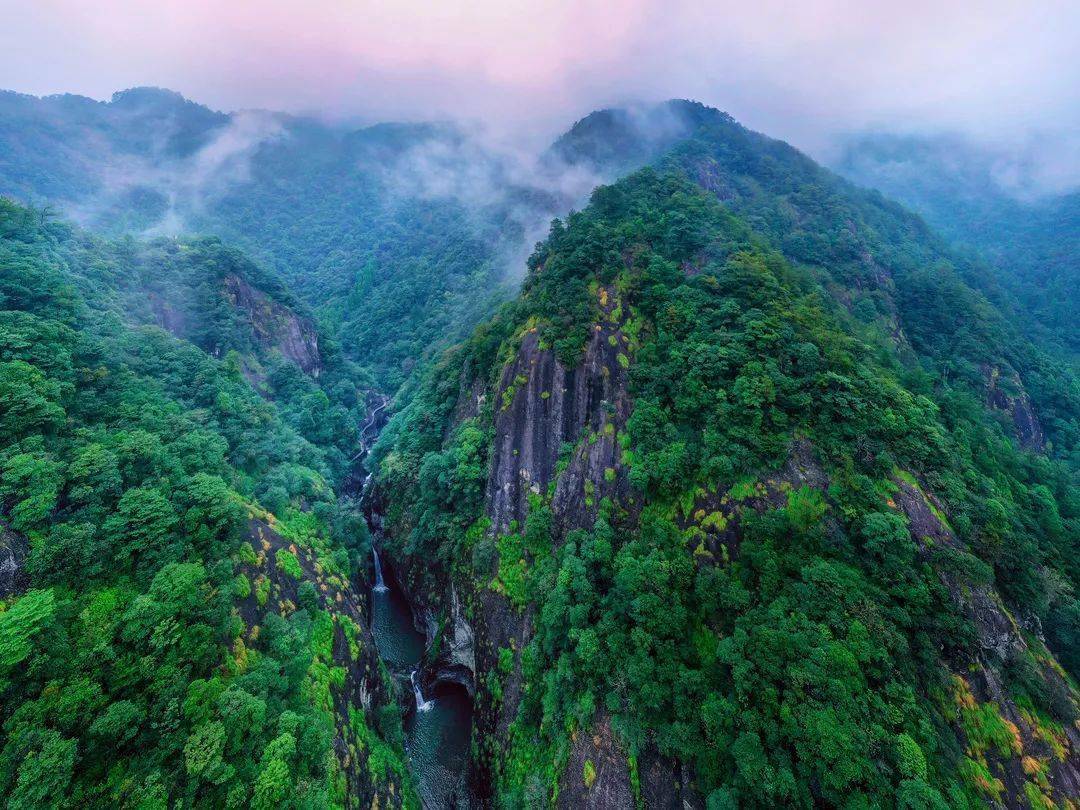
x: 382, y: 467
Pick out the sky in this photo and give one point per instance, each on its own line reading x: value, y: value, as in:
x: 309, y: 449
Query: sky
x: 802, y: 71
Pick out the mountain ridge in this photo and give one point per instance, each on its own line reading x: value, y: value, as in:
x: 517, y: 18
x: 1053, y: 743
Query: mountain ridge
x: 752, y: 495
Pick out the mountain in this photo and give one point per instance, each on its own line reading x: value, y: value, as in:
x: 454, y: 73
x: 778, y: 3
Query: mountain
x: 417, y: 225
x: 68, y: 148
x: 1007, y: 207
x: 755, y: 490
x: 177, y: 614
x: 750, y: 498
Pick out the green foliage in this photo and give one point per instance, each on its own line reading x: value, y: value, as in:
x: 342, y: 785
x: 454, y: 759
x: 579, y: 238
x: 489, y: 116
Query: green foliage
x: 1031, y: 244
x: 588, y: 774
x: 796, y: 668
x: 132, y: 460
x: 791, y: 354
x: 20, y: 623
x: 286, y: 561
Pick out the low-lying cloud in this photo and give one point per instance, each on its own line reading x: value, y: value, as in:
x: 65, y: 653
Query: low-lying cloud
x: 186, y: 184
x: 796, y: 70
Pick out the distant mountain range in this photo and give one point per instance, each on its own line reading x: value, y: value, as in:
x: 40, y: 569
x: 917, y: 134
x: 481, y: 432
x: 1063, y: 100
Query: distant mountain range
x: 704, y: 477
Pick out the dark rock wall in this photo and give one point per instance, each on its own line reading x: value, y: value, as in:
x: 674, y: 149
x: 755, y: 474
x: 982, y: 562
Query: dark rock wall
x: 1005, y: 393
x: 542, y: 406
x: 597, y: 774
x: 275, y: 326
x: 13, y: 550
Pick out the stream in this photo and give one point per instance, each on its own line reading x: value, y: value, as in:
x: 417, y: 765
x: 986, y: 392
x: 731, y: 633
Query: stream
x: 438, y: 725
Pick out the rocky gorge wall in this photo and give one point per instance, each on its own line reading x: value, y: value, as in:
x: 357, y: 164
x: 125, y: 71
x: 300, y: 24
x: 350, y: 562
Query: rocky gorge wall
x: 555, y: 435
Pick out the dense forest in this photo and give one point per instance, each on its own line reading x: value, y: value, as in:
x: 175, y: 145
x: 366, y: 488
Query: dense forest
x: 748, y: 482
x: 187, y: 556
x: 422, y: 226
x: 755, y: 491
x: 1016, y: 215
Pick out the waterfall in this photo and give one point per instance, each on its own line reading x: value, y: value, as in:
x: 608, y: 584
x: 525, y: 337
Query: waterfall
x: 380, y: 586
x: 421, y: 704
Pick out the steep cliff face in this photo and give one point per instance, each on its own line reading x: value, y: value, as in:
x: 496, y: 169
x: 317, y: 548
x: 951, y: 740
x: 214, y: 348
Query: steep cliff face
x: 557, y: 436
x: 597, y: 773
x: 274, y: 326
x: 13, y: 550
x: 359, y: 697
x: 549, y: 414
x: 1005, y: 393
x: 214, y: 296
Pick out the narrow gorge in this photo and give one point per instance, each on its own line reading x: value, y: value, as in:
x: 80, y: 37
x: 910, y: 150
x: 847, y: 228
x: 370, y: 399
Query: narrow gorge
x: 437, y: 710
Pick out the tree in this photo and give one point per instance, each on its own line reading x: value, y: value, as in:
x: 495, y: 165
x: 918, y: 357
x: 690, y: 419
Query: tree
x: 30, y: 614
x: 29, y: 401
x: 142, y: 528
x: 45, y: 771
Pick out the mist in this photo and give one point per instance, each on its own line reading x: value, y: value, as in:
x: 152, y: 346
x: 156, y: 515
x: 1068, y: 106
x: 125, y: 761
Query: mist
x: 185, y: 185
x: 802, y: 72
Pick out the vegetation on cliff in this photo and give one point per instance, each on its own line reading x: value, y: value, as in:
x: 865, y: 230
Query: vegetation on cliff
x: 167, y: 650
x: 794, y: 639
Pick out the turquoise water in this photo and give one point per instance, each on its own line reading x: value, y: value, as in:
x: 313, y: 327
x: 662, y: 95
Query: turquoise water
x: 437, y: 741
x: 400, y: 644
x: 436, y: 738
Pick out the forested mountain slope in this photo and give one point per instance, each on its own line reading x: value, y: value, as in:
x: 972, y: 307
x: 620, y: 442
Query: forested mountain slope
x: 758, y: 494
x: 177, y: 619
x: 887, y: 266
x: 996, y: 203
x: 743, y: 504
x: 415, y: 225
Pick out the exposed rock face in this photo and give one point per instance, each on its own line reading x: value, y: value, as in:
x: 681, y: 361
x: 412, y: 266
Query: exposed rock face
x: 556, y: 433
x: 275, y: 326
x: 13, y: 550
x: 167, y: 316
x: 265, y: 324
x: 597, y: 774
x: 718, y: 515
x: 457, y: 657
x: 364, y: 690
x: 979, y: 681
x: 543, y: 407
x: 667, y: 785
x: 1005, y: 392
x: 471, y: 398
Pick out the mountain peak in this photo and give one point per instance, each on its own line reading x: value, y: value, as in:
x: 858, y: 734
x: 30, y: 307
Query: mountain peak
x: 143, y: 96
x: 615, y: 138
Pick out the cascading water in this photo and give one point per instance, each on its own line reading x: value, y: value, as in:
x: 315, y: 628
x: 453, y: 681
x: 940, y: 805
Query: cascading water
x: 421, y: 704
x: 380, y: 585
x: 437, y: 734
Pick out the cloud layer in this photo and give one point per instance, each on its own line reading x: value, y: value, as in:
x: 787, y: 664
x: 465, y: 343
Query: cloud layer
x: 797, y: 70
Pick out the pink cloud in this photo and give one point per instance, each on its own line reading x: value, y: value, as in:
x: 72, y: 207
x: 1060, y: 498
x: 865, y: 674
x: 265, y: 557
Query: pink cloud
x: 792, y: 68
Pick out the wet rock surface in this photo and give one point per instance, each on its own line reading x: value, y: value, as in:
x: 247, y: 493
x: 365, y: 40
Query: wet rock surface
x: 544, y: 407
x: 13, y: 551
x: 667, y: 785
x: 456, y: 658
x: 1005, y: 393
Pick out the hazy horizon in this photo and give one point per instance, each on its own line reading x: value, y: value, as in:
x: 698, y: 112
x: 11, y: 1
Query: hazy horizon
x: 988, y: 69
